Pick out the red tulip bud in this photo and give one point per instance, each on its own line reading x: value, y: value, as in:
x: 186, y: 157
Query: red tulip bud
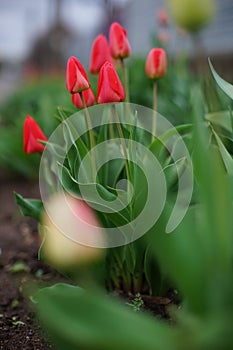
x: 119, y: 44
x: 100, y: 53
x: 110, y: 88
x: 156, y: 63
x: 162, y: 17
x: 32, y: 133
x: 76, y: 77
x: 88, y: 96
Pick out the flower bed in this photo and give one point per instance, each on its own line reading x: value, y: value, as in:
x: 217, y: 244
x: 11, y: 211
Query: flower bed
x: 133, y: 206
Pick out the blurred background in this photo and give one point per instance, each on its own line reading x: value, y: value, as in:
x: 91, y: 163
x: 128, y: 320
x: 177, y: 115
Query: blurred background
x: 36, y: 38
x: 41, y: 35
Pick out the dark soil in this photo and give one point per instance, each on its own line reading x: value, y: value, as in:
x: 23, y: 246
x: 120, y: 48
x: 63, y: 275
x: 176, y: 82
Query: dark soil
x: 20, y: 270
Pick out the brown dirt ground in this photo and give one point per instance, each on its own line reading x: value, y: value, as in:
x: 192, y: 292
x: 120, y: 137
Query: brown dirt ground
x: 19, y: 243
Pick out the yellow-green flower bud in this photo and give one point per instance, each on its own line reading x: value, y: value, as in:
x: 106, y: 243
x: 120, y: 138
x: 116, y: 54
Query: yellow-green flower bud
x: 192, y: 14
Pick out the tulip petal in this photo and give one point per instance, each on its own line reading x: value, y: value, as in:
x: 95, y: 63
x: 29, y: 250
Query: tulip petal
x: 110, y: 88
x: 31, y: 134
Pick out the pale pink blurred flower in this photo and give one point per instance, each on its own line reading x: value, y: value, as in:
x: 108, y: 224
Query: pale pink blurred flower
x: 163, y: 37
x: 72, y: 232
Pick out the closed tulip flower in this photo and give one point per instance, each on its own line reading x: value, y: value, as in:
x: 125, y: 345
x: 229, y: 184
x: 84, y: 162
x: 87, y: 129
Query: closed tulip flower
x: 32, y: 133
x: 162, y: 17
x: 156, y: 63
x: 119, y: 44
x: 88, y: 96
x: 76, y: 77
x: 110, y: 88
x: 100, y: 53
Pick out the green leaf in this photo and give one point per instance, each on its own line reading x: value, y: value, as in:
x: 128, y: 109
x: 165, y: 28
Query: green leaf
x: 77, y: 148
x: 174, y: 171
x: 29, y: 207
x: 181, y: 258
x: 159, y: 150
x: 226, y: 157
x: 224, y: 85
x: 78, y: 319
x: 115, y: 167
x: 98, y: 196
x: 222, y: 119
x: 211, y: 95
x: 63, y: 113
x: 152, y: 272
x: 158, y: 146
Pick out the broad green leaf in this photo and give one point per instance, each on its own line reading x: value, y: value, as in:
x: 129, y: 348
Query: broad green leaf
x: 29, y: 207
x: 67, y: 180
x: 158, y: 146
x: 226, y: 157
x: 181, y: 257
x: 98, y: 196
x: 90, y: 191
x: 159, y: 150
x: 114, y: 163
x: 78, y: 319
x: 222, y: 119
x: 115, y: 168
x: 224, y: 85
x: 77, y: 148
x: 174, y: 171
x: 212, y: 101
x: 140, y: 188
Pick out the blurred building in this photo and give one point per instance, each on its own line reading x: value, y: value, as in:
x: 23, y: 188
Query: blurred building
x: 60, y: 28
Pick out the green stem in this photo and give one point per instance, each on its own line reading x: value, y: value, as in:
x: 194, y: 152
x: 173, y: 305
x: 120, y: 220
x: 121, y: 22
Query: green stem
x: 200, y: 54
x: 125, y: 78
x: 154, y: 108
x: 111, y: 128
x: 91, y: 137
x: 124, y: 148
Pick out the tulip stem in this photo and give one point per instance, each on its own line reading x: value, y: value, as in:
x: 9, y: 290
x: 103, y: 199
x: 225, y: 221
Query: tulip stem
x: 126, y: 81
x: 154, y: 108
x: 126, y: 86
x: 200, y: 54
x: 111, y: 129
x: 91, y: 137
x: 124, y: 148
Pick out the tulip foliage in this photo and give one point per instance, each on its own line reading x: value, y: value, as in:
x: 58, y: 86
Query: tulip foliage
x: 110, y: 223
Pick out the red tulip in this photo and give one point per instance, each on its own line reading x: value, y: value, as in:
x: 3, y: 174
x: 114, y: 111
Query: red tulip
x: 88, y: 96
x: 32, y: 133
x: 100, y: 53
x: 109, y: 88
x: 76, y: 77
x: 156, y: 63
x: 119, y: 44
x: 162, y: 17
